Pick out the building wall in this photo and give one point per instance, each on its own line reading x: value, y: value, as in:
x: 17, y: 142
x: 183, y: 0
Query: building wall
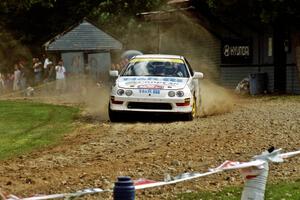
x: 294, y: 71
x: 293, y: 82
x: 99, y: 65
x: 73, y: 62
x: 263, y: 61
x: 204, y: 50
x: 231, y: 76
x: 96, y: 64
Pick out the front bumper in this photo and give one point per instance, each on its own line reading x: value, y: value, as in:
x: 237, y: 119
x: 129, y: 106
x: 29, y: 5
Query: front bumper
x: 151, y: 104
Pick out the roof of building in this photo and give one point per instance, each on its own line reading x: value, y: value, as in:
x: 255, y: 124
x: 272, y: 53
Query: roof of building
x: 83, y: 36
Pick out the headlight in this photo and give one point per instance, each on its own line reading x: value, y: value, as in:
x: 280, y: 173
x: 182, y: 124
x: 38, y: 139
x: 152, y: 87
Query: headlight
x: 180, y: 93
x: 120, y: 92
x: 171, y: 94
x: 128, y: 92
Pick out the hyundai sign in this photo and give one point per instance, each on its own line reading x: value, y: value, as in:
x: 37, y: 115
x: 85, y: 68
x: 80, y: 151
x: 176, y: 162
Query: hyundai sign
x: 236, y: 51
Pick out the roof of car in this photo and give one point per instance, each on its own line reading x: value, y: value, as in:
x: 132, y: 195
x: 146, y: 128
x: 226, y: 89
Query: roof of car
x: 159, y: 56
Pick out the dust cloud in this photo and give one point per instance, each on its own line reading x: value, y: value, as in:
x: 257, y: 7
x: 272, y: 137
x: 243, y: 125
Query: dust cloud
x: 202, y: 50
x: 215, y: 99
x: 92, y: 98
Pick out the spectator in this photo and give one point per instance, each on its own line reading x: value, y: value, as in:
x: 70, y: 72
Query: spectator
x: 24, y: 75
x: 60, y: 77
x: 2, y: 86
x: 8, y: 82
x: 46, y: 63
x: 51, y: 73
x: 118, y: 67
x: 37, y: 69
x: 17, y: 78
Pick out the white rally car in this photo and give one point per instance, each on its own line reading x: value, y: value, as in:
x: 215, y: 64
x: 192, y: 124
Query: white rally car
x: 158, y: 84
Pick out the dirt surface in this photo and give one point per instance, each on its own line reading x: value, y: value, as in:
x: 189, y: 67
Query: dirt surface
x: 96, y: 152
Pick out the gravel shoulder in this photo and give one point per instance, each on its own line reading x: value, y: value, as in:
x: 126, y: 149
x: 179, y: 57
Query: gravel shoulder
x: 95, y: 153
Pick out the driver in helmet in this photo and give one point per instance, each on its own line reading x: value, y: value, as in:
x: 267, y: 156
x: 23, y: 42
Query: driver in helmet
x: 177, y: 71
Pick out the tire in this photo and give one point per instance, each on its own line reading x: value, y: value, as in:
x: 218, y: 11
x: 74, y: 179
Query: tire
x: 190, y: 116
x: 113, y: 115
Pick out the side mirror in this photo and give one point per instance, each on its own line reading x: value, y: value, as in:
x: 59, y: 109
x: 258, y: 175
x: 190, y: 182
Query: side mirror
x: 198, y: 75
x: 114, y: 73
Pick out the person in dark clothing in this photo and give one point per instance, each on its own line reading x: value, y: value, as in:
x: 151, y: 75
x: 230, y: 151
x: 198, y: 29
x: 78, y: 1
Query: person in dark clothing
x: 51, y: 73
x: 37, y: 68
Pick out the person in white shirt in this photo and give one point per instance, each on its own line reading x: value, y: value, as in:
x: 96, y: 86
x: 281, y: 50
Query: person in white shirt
x: 46, y: 63
x: 60, y: 77
x: 17, y: 78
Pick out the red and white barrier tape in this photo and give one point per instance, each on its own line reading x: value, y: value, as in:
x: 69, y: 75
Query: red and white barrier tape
x: 227, y: 165
x: 257, y: 163
x: 59, y: 196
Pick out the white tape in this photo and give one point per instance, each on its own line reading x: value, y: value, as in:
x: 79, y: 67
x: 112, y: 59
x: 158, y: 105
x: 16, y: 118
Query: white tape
x: 260, y: 163
x: 289, y: 154
x: 67, y: 195
x: 227, y: 165
x: 190, y: 177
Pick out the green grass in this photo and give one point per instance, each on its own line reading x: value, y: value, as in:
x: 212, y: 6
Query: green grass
x: 26, y: 126
x: 284, y: 190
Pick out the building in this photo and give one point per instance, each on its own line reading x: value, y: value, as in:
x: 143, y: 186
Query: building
x: 84, y: 48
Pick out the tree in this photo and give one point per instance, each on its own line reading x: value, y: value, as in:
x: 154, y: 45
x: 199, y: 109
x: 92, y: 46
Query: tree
x: 30, y: 23
x: 119, y: 18
x: 265, y: 11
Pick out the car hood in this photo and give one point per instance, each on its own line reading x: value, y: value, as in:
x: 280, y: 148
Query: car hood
x: 152, y: 82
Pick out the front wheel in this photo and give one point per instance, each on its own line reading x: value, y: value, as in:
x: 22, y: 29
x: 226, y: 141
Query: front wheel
x: 190, y: 116
x: 113, y: 115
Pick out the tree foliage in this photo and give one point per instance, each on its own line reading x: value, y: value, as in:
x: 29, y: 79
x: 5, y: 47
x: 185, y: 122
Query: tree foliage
x: 119, y: 17
x: 31, y: 23
x: 8, y: 6
x: 266, y: 11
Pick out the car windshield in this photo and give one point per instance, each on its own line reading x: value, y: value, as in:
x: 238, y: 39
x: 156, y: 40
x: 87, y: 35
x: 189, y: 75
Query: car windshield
x: 156, y: 67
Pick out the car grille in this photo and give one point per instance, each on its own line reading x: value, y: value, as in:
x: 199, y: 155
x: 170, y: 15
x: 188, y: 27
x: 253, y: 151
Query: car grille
x: 154, y: 106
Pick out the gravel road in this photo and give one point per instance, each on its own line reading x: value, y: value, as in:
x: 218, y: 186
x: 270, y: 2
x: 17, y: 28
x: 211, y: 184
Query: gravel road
x: 95, y: 153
